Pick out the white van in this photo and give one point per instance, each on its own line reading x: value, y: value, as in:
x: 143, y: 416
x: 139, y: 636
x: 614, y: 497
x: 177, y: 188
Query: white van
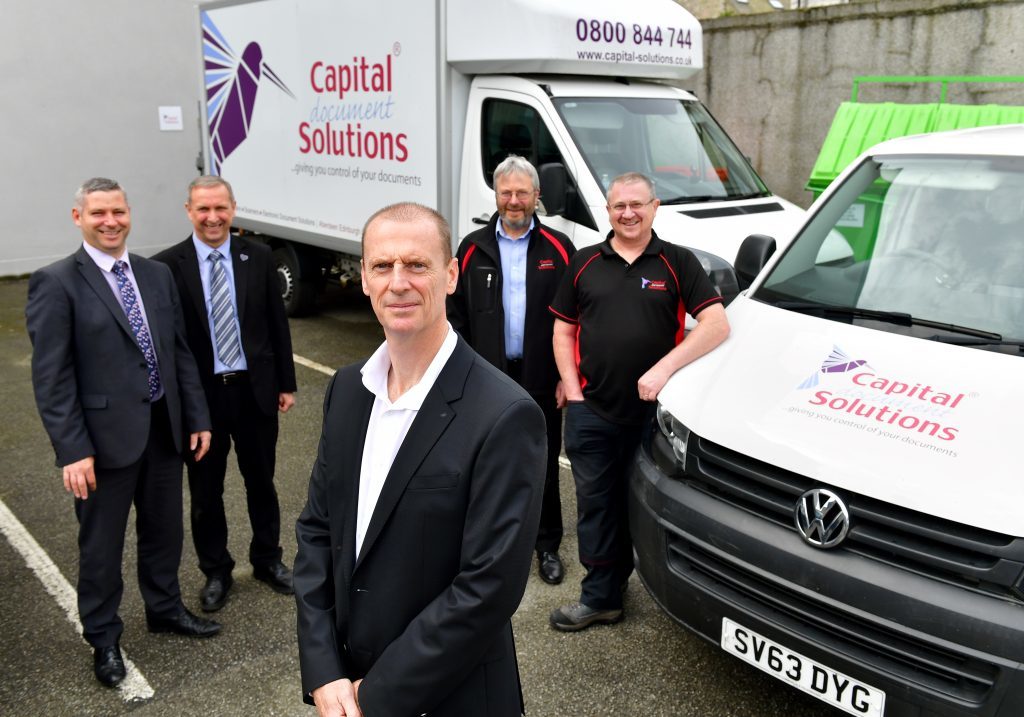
x: 836, y: 494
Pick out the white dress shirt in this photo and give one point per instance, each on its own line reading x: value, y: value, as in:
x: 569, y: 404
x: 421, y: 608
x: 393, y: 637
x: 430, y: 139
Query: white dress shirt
x: 389, y: 424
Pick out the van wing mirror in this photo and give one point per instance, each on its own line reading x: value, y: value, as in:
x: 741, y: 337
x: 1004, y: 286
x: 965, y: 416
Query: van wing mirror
x: 754, y: 253
x: 554, y: 187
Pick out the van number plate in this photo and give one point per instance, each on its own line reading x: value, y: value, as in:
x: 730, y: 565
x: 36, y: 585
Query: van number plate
x: 798, y: 671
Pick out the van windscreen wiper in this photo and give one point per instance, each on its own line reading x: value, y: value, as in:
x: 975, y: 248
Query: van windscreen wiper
x: 973, y: 341
x: 897, y: 318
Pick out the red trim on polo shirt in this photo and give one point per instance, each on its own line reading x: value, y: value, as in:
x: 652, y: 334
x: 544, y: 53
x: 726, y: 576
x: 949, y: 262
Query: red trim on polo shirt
x: 713, y: 300
x: 583, y: 379
x: 672, y: 272
x: 576, y: 278
x: 681, y: 318
x: 563, y: 317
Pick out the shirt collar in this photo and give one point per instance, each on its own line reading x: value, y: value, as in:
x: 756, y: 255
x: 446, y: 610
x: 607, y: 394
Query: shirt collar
x: 375, y: 375
x: 653, y: 247
x: 103, y: 260
x: 204, y: 250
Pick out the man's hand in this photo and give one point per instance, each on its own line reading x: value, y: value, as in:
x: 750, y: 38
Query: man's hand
x: 285, y: 401
x: 80, y: 477
x: 337, y: 699
x: 199, y: 443
x: 559, y: 395
x: 651, y: 383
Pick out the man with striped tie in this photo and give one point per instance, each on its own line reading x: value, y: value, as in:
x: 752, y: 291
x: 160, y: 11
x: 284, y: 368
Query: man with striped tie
x: 238, y: 331
x: 119, y: 395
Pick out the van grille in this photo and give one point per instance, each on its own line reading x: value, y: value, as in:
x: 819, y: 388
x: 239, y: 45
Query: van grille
x: 976, y: 559
x: 941, y: 670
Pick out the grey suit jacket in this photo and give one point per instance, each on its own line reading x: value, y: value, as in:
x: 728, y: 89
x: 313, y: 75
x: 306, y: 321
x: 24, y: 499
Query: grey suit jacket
x: 423, y: 613
x: 88, y: 372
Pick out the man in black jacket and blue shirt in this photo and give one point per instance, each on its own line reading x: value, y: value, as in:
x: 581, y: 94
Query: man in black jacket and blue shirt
x: 508, y: 274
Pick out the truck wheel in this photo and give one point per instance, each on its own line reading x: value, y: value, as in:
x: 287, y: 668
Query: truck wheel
x: 298, y: 293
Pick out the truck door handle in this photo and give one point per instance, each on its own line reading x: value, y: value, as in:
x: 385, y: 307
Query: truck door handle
x: 481, y: 220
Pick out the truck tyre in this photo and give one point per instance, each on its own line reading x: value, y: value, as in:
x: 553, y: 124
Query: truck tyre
x: 298, y: 291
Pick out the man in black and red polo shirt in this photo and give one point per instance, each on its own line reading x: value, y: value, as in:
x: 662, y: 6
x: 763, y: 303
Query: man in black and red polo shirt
x: 618, y: 337
x: 509, y: 271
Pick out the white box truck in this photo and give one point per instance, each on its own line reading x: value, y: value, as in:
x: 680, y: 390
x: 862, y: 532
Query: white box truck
x: 834, y: 495
x: 320, y: 112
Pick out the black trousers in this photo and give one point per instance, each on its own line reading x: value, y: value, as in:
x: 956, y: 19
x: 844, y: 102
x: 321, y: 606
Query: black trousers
x: 550, y: 531
x: 153, y: 484
x: 236, y: 417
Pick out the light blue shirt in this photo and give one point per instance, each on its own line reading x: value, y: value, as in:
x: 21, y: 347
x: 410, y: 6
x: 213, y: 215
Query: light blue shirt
x: 513, y: 287
x: 203, y: 252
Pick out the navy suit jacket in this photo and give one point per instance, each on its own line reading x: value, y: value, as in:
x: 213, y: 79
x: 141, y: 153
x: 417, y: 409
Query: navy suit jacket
x: 423, y: 613
x: 266, y: 340
x: 88, y: 372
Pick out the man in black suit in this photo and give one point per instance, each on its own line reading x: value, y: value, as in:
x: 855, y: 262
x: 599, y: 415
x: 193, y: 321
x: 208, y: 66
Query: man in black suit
x: 509, y: 272
x: 238, y: 332
x: 415, y: 543
x: 117, y: 390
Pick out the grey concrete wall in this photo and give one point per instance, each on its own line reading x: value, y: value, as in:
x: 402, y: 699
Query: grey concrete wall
x: 774, y: 81
x: 80, y: 86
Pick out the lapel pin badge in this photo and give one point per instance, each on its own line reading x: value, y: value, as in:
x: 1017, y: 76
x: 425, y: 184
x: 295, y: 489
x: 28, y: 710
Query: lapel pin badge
x: 243, y: 257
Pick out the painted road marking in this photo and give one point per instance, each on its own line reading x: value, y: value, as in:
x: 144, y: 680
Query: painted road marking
x: 134, y: 687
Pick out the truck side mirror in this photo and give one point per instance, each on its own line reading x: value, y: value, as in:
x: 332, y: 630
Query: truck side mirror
x: 754, y: 253
x: 554, y: 187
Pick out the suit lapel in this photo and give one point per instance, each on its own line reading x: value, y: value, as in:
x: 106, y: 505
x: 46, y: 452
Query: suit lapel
x: 351, y: 440
x: 94, y: 278
x: 429, y: 425
x: 240, y: 264
x: 188, y: 265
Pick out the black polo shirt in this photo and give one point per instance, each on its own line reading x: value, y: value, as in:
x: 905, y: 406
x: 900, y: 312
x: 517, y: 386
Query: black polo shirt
x: 629, y: 317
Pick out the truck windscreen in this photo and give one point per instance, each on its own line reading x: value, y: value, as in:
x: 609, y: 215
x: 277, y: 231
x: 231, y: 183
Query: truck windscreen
x: 676, y: 143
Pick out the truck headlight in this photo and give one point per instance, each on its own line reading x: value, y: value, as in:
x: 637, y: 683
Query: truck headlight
x: 675, y: 433
x: 721, y: 273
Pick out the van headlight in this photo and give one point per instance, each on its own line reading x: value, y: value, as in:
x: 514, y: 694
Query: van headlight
x: 721, y: 273
x: 675, y: 433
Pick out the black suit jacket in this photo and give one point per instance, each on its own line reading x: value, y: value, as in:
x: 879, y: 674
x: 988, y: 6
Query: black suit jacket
x: 88, y: 372
x: 266, y: 340
x: 423, y: 613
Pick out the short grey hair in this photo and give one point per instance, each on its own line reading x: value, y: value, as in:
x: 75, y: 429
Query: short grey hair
x: 633, y: 178
x: 408, y: 212
x: 97, y: 184
x: 514, y: 164
x: 207, y: 181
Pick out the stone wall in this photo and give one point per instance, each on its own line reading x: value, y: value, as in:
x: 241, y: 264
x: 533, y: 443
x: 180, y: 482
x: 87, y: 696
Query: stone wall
x: 774, y: 80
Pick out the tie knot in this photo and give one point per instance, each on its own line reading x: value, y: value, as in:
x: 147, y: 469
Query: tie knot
x: 120, y: 266
x: 216, y: 255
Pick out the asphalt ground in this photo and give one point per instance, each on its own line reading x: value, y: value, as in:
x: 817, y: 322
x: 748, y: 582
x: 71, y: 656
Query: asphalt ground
x: 646, y: 665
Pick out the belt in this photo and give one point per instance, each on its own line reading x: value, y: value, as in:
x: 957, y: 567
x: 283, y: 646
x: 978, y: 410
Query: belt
x: 232, y: 377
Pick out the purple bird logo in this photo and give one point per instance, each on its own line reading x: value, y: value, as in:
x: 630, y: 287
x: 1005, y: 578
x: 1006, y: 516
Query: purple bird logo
x: 231, y: 85
x: 836, y: 362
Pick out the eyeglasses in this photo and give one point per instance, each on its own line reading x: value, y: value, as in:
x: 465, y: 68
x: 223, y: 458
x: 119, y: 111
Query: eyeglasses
x: 634, y: 206
x: 522, y: 195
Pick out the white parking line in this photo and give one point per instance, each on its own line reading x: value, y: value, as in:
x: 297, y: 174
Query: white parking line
x: 309, y: 363
x: 134, y: 687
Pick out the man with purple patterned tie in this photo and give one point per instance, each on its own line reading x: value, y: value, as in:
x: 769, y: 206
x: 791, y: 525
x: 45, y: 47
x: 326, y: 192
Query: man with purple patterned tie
x: 119, y: 395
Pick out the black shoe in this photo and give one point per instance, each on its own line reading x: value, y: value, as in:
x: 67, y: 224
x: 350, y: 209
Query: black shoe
x: 184, y: 623
x: 549, y: 565
x: 108, y: 665
x: 577, y: 616
x: 277, y: 576
x: 215, y: 593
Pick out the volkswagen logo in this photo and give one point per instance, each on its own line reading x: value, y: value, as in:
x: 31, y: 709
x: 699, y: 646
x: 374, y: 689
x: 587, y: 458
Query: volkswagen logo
x: 822, y: 519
